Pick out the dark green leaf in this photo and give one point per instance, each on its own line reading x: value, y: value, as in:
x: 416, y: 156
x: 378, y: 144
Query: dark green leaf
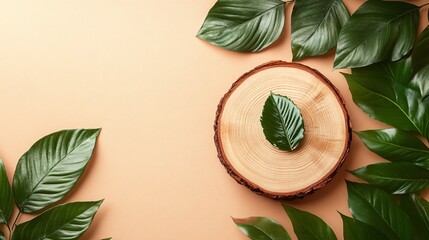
x: 378, y: 209
x: 6, y: 196
x: 421, y: 51
x: 396, y: 178
x: 316, y: 26
x: 67, y: 221
x: 381, y: 91
x: 356, y: 230
x: 396, y: 146
x: 2, y: 237
x: 420, y: 82
x: 52, y: 166
x: 242, y: 25
x: 308, y: 226
x: 282, y: 122
x: 261, y: 228
x: 377, y: 31
x: 418, y: 210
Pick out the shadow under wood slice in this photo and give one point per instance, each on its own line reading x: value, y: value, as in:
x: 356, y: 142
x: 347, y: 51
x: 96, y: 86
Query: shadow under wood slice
x: 252, y: 161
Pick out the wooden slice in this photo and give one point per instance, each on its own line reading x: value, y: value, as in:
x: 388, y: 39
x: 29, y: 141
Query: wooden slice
x: 252, y: 161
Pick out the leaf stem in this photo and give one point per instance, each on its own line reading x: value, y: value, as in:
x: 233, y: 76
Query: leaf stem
x: 11, y: 230
x: 424, y: 5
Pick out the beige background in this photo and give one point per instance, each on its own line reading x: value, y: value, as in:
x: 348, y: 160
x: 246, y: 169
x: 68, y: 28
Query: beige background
x: 136, y: 69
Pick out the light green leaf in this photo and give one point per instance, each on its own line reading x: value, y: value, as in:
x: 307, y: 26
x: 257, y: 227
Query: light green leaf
x: 396, y: 178
x: 308, y: 226
x: 377, y: 31
x: 396, y: 146
x: 382, y: 92
x: 6, y: 196
x: 418, y: 210
x: 67, y: 221
x: 356, y: 230
x: 377, y: 208
x: 316, y: 26
x: 282, y: 122
x: 51, y: 167
x: 242, y: 25
x: 261, y: 228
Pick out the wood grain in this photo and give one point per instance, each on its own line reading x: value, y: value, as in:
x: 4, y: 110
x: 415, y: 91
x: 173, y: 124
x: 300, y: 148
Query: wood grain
x: 252, y: 161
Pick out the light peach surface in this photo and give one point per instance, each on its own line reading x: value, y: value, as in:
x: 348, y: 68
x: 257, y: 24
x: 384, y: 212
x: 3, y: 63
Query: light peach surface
x: 136, y: 69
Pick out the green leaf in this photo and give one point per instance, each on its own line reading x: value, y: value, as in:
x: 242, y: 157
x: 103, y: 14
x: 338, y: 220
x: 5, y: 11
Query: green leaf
x: 316, y: 26
x: 308, y: 226
x: 421, y: 50
x: 66, y: 221
x: 282, y: 122
x: 51, y: 167
x: 418, y: 210
x: 261, y: 228
x: 378, y: 209
x: 377, y: 31
x: 420, y: 82
x: 356, y: 230
x: 6, y: 196
x: 2, y: 237
x: 396, y: 178
x: 396, y: 146
x: 242, y: 25
x: 382, y: 91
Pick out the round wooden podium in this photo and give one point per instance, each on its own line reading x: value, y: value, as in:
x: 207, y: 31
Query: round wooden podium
x: 252, y: 161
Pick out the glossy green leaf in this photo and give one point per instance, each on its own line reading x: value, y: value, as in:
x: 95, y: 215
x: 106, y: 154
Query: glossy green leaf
x: 242, y: 25
x: 396, y: 178
x: 6, y: 196
x: 377, y: 31
x: 51, y: 167
x: 420, y: 82
x: 421, y: 50
x: 377, y: 208
x: 67, y: 221
x: 282, y: 122
x: 396, y: 146
x: 356, y: 230
x: 418, y: 210
x: 308, y: 226
x: 2, y: 237
x: 261, y: 228
x: 316, y: 26
x: 382, y: 92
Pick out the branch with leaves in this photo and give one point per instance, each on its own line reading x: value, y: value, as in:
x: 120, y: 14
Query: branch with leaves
x: 43, y: 176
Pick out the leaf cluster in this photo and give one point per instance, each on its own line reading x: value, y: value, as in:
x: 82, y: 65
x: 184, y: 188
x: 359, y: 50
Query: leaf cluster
x: 43, y: 176
x: 377, y: 31
x: 389, y: 81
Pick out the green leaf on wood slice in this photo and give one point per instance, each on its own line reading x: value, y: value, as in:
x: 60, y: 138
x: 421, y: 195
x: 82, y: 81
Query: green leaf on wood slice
x: 51, y: 167
x: 396, y: 178
x: 261, y: 228
x: 242, y: 25
x: 377, y: 31
x: 354, y: 229
x: 377, y: 208
x: 282, y: 122
x: 6, y: 196
x: 396, y: 146
x: 308, y: 226
x: 316, y: 26
x: 418, y: 210
x: 382, y: 91
x: 67, y: 221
